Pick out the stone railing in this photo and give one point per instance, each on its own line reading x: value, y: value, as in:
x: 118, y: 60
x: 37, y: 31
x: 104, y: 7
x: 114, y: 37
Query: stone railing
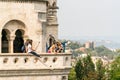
x: 17, y: 61
x: 22, y: 66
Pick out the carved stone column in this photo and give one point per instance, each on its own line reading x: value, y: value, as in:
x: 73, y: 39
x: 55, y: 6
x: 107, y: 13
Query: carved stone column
x: 11, y: 44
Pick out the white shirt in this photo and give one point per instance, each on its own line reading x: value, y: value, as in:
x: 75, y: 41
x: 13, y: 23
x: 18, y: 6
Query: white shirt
x: 29, y: 48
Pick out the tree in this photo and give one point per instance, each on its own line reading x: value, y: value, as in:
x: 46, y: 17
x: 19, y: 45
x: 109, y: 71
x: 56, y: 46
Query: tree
x: 85, y: 69
x: 103, y: 51
x: 89, y: 68
x: 79, y: 70
x: 118, y: 50
x: 72, y: 74
x: 115, y: 69
x: 100, y: 70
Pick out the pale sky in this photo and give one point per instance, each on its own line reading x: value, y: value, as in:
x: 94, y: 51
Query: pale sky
x: 78, y: 18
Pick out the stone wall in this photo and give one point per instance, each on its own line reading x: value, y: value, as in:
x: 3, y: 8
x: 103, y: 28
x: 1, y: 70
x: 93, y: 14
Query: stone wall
x: 39, y: 20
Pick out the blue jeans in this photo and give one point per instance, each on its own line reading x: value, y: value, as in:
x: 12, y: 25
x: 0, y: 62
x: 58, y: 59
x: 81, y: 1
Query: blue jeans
x: 34, y: 53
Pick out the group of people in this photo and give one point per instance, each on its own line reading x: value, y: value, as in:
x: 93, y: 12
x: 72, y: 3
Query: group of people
x: 56, y: 47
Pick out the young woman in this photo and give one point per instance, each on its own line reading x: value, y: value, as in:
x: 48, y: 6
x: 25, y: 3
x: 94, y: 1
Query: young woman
x: 30, y: 49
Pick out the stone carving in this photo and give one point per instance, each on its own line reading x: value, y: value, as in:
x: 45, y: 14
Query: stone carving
x: 52, y: 2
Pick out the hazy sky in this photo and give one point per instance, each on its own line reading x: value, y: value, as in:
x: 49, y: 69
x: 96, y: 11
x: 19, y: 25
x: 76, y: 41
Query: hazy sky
x: 78, y: 18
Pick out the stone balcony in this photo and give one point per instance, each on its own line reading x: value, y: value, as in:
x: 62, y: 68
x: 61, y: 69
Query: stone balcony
x: 23, y: 64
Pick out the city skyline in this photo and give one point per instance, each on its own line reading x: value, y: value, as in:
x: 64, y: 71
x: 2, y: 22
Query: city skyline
x: 89, y: 18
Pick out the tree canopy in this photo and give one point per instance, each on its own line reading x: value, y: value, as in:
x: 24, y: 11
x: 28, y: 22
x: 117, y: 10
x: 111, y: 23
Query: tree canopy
x: 85, y: 69
x: 115, y: 69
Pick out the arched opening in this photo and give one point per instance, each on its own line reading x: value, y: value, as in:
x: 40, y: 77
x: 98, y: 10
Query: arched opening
x: 13, y: 36
x: 5, y: 43
x: 51, y: 40
x: 18, y: 41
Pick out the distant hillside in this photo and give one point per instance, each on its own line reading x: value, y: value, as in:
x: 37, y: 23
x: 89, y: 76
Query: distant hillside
x: 109, y: 42
x: 106, y: 43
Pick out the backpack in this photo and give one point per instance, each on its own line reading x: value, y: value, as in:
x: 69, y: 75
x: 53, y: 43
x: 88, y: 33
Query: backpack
x: 23, y: 48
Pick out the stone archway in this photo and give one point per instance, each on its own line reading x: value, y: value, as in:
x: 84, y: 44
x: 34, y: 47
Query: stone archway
x: 15, y: 39
x: 50, y: 41
x: 18, y: 41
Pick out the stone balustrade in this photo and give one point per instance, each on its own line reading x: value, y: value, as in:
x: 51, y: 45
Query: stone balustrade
x: 22, y: 66
x: 29, y: 61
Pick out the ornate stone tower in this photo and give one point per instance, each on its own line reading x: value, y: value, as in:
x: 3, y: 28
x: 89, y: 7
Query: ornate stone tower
x: 34, y: 19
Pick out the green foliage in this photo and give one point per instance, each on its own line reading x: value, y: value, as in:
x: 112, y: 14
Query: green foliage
x: 89, y: 68
x: 100, y: 70
x: 79, y: 70
x: 85, y: 69
x: 74, y: 45
x: 72, y: 74
x: 88, y: 64
x: 103, y: 51
x: 115, y: 69
x: 98, y: 51
x: 77, y: 53
x: 118, y: 50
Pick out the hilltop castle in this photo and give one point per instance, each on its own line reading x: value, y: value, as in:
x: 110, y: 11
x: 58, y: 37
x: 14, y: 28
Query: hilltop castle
x: 36, y: 20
